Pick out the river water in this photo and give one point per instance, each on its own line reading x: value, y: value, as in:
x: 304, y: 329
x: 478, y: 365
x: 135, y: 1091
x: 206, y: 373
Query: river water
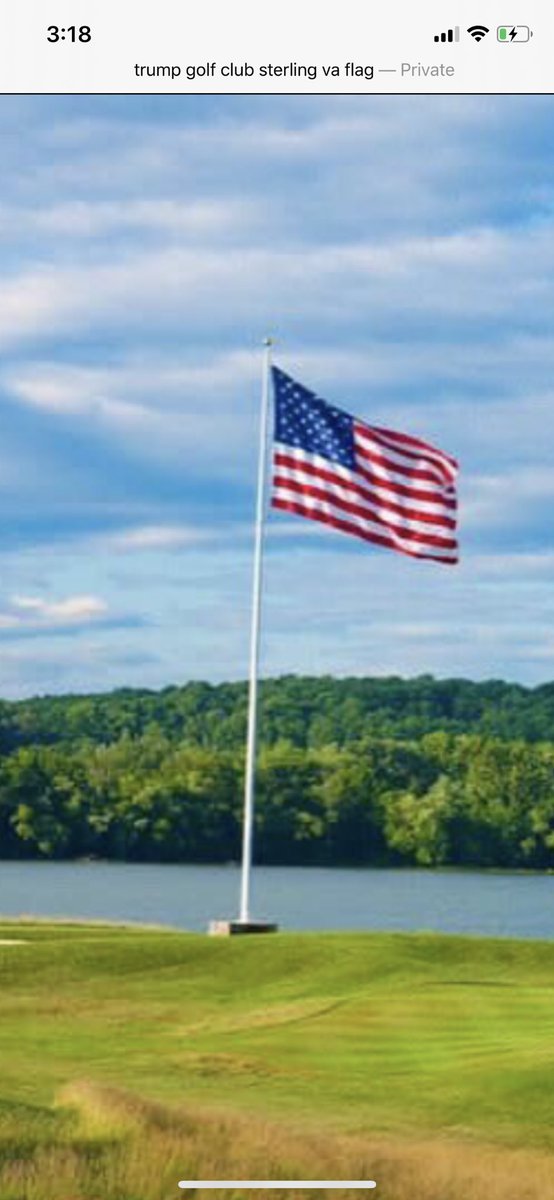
x: 504, y: 903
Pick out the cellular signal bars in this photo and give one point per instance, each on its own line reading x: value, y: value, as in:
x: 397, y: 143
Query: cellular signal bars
x: 451, y: 35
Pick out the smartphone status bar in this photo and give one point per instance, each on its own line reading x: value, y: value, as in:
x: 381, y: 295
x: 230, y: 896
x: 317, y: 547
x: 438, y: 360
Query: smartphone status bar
x: 68, y: 46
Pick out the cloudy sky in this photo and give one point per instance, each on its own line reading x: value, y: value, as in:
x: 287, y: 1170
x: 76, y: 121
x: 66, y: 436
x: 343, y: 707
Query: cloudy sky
x: 401, y: 251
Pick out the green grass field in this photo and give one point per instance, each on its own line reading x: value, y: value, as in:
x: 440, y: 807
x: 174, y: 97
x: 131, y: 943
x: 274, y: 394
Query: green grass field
x: 133, y: 1058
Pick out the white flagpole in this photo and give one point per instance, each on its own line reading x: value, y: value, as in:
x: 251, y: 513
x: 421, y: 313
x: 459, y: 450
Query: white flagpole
x: 251, y: 744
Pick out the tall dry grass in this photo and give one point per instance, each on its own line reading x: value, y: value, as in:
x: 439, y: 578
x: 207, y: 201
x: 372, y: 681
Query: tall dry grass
x: 112, y: 1145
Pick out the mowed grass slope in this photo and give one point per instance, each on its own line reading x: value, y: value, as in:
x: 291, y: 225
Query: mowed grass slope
x: 380, y: 1045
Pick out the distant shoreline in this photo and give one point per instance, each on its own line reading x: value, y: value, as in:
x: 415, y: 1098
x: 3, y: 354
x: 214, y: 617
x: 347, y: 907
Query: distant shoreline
x: 353, y: 868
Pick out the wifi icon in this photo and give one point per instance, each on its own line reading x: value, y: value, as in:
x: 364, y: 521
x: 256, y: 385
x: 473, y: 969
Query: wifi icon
x: 478, y: 32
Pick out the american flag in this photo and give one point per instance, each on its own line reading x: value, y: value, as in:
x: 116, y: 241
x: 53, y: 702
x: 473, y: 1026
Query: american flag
x: 385, y: 487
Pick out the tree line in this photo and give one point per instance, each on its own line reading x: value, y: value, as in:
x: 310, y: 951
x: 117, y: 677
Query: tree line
x: 307, y: 712
x: 359, y: 771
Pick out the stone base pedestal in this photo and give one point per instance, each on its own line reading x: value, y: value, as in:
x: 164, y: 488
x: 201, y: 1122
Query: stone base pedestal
x: 230, y: 928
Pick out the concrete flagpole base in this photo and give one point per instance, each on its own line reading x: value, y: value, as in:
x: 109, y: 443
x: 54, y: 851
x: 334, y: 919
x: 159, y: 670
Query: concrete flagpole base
x: 231, y: 928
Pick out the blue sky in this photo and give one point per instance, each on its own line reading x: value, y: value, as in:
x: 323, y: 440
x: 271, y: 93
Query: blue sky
x: 401, y: 251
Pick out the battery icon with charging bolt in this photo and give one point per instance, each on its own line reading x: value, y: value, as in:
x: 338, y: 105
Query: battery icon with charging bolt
x: 513, y: 33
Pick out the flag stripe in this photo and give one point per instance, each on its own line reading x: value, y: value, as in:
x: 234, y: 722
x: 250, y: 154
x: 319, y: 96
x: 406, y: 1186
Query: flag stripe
x: 348, y: 527
x: 294, y: 457
x: 311, y: 496
x: 392, y: 488
x: 398, y: 440
x: 365, y: 495
x: 366, y: 449
x: 401, y: 457
x: 394, y: 494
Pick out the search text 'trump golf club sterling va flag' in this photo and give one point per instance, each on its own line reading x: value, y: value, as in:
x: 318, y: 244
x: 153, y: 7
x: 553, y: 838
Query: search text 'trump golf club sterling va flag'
x: 383, y: 486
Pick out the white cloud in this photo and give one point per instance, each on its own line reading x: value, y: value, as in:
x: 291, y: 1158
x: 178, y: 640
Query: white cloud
x: 478, y: 273
x: 197, y: 415
x: 129, y: 388
x: 156, y: 537
x: 523, y: 566
x: 164, y: 216
x: 25, y: 611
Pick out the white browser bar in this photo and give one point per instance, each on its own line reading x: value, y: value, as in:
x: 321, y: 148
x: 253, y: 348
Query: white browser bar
x: 221, y: 48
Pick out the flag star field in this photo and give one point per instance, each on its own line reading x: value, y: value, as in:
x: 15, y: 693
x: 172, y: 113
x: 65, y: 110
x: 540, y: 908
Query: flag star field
x: 303, y: 420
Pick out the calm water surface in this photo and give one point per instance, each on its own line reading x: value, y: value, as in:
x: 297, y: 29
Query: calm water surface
x: 298, y: 898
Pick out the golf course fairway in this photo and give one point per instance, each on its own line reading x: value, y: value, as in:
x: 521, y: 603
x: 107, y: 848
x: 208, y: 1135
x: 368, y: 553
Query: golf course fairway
x: 133, y: 1058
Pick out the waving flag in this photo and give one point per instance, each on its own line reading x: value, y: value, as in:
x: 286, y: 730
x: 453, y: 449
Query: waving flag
x: 385, y: 487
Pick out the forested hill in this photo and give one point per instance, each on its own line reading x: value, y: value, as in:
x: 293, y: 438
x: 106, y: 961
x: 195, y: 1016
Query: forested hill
x: 359, y: 771
x: 306, y: 712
